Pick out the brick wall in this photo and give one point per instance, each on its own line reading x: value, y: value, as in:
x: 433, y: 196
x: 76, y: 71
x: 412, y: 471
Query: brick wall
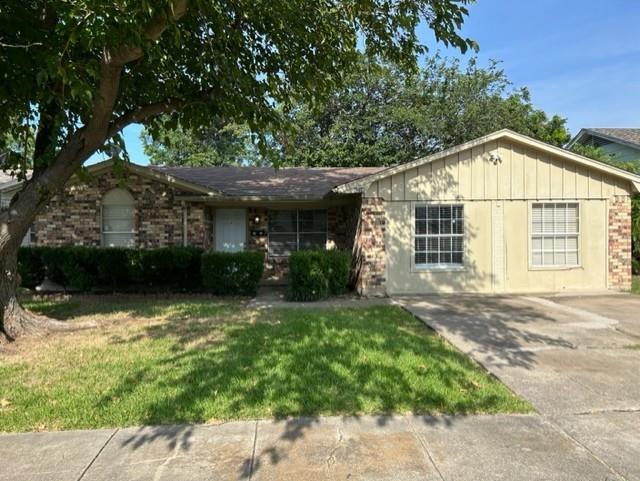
x: 74, y: 218
x: 369, y: 248
x: 620, y: 242
x: 200, y: 222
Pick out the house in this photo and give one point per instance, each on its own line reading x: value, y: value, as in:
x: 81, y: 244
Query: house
x: 502, y: 213
x: 9, y: 186
x: 622, y: 144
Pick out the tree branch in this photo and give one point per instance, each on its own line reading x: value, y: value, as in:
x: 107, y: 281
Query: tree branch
x: 27, y: 46
x: 144, y: 112
x: 151, y: 33
x: 111, y: 69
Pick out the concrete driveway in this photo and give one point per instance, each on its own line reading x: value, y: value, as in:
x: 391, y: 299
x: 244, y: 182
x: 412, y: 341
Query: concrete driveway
x: 577, y: 359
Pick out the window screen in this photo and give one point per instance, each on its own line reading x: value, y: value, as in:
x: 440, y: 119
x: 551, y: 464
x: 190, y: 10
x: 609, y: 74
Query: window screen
x: 555, y: 232
x: 118, y: 219
x: 439, y: 235
x: 283, y: 232
x: 292, y: 230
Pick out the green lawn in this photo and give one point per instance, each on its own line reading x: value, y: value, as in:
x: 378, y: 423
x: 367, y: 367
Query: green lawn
x: 157, y: 362
x: 635, y: 285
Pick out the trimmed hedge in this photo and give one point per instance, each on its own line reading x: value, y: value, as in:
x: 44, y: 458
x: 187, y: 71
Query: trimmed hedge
x: 338, y: 268
x: 113, y: 269
x: 168, y: 269
x: 232, y: 273
x: 318, y: 274
x: 30, y: 266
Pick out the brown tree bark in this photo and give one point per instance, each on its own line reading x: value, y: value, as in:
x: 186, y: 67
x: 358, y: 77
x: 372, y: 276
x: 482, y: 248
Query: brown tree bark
x: 15, y: 321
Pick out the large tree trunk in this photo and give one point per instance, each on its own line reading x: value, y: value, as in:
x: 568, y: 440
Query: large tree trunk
x: 14, y: 224
x: 50, y: 177
x: 15, y: 321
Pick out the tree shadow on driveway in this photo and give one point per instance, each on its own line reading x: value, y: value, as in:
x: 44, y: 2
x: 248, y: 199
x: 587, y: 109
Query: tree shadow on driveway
x: 502, y: 330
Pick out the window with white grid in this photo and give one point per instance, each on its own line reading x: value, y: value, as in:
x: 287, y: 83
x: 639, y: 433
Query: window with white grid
x: 555, y: 234
x: 439, y: 235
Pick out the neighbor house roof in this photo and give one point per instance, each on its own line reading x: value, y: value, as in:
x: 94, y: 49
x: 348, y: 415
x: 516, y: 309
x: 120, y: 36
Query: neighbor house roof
x: 630, y: 137
x: 267, y: 182
x: 5, y: 177
x: 9, y: 179
x: 358, y: 184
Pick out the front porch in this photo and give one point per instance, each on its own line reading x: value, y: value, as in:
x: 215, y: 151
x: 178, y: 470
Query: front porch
x: 276, y: 228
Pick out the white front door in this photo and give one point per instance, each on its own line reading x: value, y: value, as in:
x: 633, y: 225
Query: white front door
x: 231, y: 230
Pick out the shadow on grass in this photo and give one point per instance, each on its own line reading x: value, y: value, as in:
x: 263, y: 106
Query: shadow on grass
x: 298, y: 363
x: 304, y: 364
x: 211, y: 361
x: 66, y: 308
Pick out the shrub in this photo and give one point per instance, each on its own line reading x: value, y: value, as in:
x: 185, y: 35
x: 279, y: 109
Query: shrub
x: 30, y: 266
x: 53, y: 259
x: 232, y: 273
x: 315, y: 275
x: 307, y: 279
x: 338, y: 265
x: 79, y: 268
x: 115, y: 269
x: 167, y: 268
x: 73, y: 267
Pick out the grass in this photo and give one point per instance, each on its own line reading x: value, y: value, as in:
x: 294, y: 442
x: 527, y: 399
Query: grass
x: 187, y: 361
x: 635, y: 285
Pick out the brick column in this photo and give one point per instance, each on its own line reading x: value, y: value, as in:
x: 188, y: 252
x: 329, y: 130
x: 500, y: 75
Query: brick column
x: 369, y: 248
x: 199, y: 226
x: 620, y: 242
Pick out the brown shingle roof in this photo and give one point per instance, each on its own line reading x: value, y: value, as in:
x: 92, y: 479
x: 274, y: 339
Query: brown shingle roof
x: 630, y: 136
x: 291, y: 183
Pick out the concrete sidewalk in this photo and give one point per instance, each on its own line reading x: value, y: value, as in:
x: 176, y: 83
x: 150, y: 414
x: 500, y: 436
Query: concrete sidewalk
x: 473, y: 448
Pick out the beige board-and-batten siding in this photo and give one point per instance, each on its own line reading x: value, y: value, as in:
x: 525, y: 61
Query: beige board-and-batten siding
x: 497, y: 197
x: 523, y: 173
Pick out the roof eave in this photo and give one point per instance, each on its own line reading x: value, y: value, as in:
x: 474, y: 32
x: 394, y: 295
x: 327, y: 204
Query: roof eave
x: 253, y: 198
x: 575, y: 139
x: 357, y: 185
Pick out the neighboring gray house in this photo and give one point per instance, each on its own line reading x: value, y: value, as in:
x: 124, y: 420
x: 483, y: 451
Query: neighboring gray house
x: 9, y: 186
x: 622, y: 144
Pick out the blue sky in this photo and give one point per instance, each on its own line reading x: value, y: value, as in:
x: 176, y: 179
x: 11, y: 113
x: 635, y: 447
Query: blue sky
x: 579, y: 58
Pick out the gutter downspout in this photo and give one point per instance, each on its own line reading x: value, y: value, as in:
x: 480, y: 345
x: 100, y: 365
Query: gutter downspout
x: 185, y: 241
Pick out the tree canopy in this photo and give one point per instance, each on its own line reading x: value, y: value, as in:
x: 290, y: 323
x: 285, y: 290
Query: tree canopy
x: 203, y: 59
x: 384, y: 114
x: 76, y: 72
x: 216, y: 144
